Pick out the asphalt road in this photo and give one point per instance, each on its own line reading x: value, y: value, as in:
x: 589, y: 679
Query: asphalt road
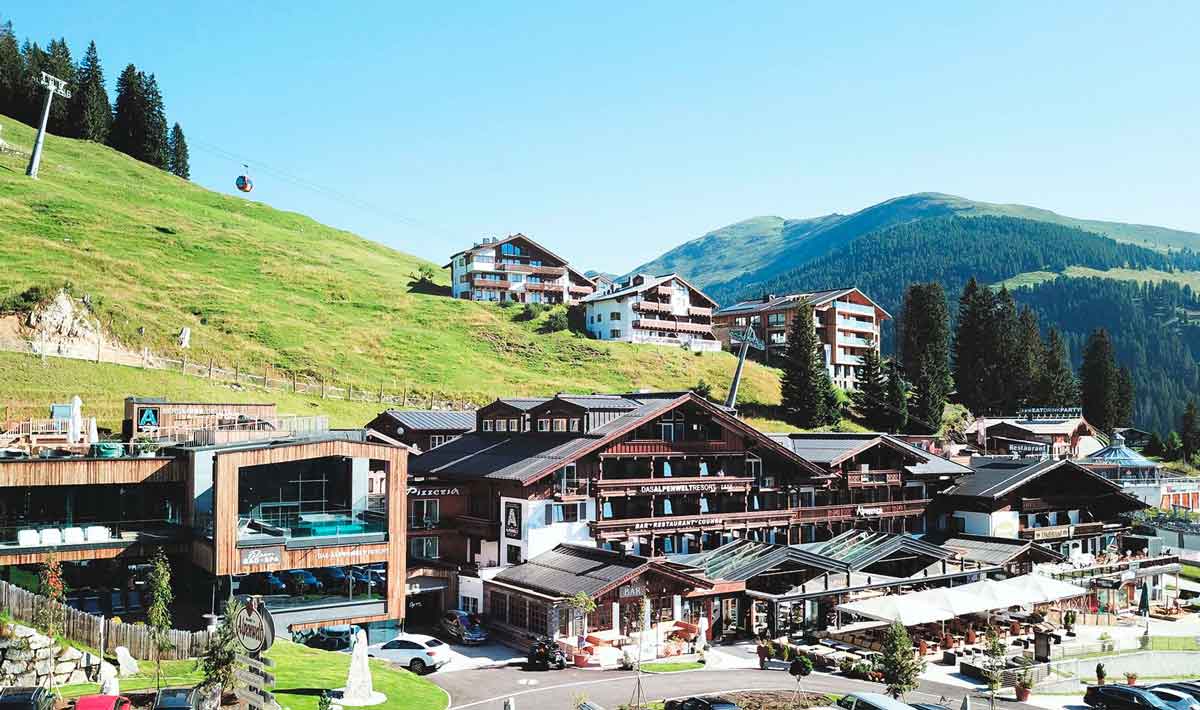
x: 555, y: 690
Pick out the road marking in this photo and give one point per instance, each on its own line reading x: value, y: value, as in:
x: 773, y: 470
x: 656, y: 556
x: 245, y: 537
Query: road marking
x: 529, y: 681
x: 576, y: 684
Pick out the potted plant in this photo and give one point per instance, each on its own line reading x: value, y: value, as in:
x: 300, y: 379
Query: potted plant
x: 1131, y: 678
x: 1068, y: 620
x: 971, y: 638
x: 1024, y: 685
x: 1101, y: 674
x: 1106, y: 642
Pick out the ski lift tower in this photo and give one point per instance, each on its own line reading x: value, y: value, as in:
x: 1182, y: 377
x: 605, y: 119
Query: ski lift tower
x: 53, y: 85
x: 748, y: 339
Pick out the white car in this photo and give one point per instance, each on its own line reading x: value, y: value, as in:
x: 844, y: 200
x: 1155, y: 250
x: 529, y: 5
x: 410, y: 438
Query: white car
x: 416, y: 652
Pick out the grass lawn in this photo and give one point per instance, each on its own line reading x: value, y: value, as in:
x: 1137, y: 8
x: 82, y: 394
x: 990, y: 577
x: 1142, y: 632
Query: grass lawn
x: 1190, y: 572
x: 671, y: 667
x: 301, y: 674
x: 262, y: 287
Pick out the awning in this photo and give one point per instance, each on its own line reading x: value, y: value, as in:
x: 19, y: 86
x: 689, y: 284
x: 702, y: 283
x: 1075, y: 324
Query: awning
x: 1038, y: 589
x: 908, y: 609
x: 422, y: 584
x: 947, y: 603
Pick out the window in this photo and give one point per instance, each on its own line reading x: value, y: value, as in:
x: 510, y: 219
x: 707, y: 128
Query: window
x: 518, y: 612
x: 776, y: 319
x: 514, y: 554
x: 499, y: 607
x: 533, y: 279
x: 436, y: 440
x: 424, y: 513
x: 573, y: 425
x: 516, y: 278
x: 370, y: 485
x: 615, y: 315
x: 469, y: 604
x: 560, y: 425
x: 565, y: 513
x: 537, y: 617
x: 426, y: 547
x: 740, y: 320
x: 543, y: 425
x: 569, y: 482
x: 614, y: 333
x: 487, y: 424
x: 754, y: 468
x: 535, y: 262
x: 501, y: 425
x: 514, y: 425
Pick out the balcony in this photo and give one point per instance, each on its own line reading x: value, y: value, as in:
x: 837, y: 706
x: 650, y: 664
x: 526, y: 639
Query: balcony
x: 1061, y: 532
x: 718, y: 522
x: 489, y: 283
x: 844, y: 359
x: 66, y: 537
x: 482, y: 266
x: 582, y: 290
x: 663, y: 291
x: 660, y: 447
x: 681, y: 327
x: 855, y: 511
x: 849, y: 341
x: 623, y: 487
x: 855, y: 308
x: 317, y: 529
x: 651, y: 307
x: 877, y: 477
x: 518, y: 268
x: 547, y: 288
x: 861, y: 326
x: 700, y: 311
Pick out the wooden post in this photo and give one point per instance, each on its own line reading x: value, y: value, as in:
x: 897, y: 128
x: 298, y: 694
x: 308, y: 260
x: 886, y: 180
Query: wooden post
x: 404, y: 397
x: 99, y: 345
x: 210, y: 367
x: 349, y: 391
x: 293, y: 380
x: 381, y: 393
x: 237, y: 372
x: 322, y: 388
x: 183, y: 366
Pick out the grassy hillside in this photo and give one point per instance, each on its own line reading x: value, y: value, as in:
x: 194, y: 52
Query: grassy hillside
x: 261, y: 287
x: 1030, y: 278
x: 741, y: 258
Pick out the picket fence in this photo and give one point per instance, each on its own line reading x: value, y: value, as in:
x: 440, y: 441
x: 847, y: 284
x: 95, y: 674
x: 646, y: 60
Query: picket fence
x: 99, y: 632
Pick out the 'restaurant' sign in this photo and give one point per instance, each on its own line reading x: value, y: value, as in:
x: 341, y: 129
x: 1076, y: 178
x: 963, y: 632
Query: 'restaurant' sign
x: 253, y: 627
x: 863, y: 510
x: 262, y: 555
x: 676, y: 523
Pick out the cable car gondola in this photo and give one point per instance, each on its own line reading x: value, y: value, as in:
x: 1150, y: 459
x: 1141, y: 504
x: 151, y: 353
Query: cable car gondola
x: 243, y: 182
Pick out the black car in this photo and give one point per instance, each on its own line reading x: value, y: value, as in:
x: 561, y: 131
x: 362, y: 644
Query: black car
x: 25, y: 698
x: 176, y: 699
x: 928, y: 706
x: 702, y: 703
x: 1123, y: 697
x: 1191, y: 688
x: 1177, y: 699
x: 329, y: 643
x: 335, y: 579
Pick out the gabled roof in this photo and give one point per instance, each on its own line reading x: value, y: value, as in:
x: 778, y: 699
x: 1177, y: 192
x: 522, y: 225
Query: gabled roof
x: 999, y: 477
x: 570, y: 569
x: 509, y: 238
x: 432, y: 420
x: 832, y: 448
x: 648, y: 283
x: 529, y: 456
x: 994, y: 550
x: 813, y: 298
x: 859, y: 549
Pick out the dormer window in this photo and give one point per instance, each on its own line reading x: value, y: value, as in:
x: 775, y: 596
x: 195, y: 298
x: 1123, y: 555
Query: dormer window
x: 487, y: 425
x: 514, y: 425
x: 560, y: 425
x: 501, y: 425
x: 543, y: 425
x: 573, y: 425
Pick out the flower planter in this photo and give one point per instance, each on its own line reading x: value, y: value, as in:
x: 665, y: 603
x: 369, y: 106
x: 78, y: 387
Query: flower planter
x: 1022, y: 694
x: 581, y: 659
x: 1131, y: 679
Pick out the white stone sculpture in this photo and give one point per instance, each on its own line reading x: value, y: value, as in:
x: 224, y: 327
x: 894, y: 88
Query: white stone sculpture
x: 359, y: 691
x: 126, y: 662
x: 109, y: 685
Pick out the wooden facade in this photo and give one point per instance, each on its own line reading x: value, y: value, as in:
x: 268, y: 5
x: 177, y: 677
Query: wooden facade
x: 90, y: 471
x: 226, y: 555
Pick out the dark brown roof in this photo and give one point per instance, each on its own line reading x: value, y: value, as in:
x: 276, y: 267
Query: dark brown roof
x: 569, y: 569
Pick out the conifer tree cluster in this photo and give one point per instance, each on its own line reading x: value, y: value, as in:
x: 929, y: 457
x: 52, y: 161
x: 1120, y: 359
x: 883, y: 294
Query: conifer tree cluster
x: 135, y: 125
x: 808, y: 395
x: 923, y: 345
x: 1001, y: 363
x: 1105, y: 390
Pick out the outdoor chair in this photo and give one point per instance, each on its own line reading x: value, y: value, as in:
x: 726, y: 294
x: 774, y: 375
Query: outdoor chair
x: 73, y: 536
x: 96, y: 533
x: 51, y: 536
x: 28, y: 538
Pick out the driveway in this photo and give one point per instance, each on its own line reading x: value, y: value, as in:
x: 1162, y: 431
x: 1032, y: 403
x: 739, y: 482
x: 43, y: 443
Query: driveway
x: 555, y: 690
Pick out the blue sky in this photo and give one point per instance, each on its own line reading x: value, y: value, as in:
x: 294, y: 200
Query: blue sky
x: 612, y: 132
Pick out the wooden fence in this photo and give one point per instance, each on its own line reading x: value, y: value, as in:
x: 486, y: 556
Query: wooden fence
x: 99, y: 632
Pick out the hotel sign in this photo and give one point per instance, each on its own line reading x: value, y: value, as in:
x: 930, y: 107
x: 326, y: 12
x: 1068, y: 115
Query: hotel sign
x: 678, y: 488
x: 676, y: 523
x: 262, y: 555
x: 864, y: 511
x: 253, y: 627
x: 335, y: 555
x: 512, y: 520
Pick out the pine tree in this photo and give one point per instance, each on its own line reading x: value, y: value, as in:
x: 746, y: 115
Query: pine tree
x: 1125, y: 398
x: 897, y: 399
x: 1155, y: 447
x: 60, y: 64
x: 31, y: 93
x: 1189, y: 430
x: 11, y: 69
x: 1005, y: 327
x: 155, y: 149
x: 1098, y: 382
x: 177, y: 153
x: 924, y: 343
x: 127, y: 128
x: 1173, y: 448
x: 1027, y: 360
x: 901, y: 668
x: 870, y: 399
x: 1056, y: 382
x: 218, y: 660
x: 974, y: 366
x: 803, y: 387
x: 90, y: 111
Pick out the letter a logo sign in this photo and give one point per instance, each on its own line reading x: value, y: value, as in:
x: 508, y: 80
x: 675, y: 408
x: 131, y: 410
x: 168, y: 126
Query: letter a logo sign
x: 148, y: 418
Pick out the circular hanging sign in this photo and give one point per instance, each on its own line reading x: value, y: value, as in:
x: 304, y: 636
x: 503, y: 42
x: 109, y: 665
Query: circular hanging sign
x: 254, y: 627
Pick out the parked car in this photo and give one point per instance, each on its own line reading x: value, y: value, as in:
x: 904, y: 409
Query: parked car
x: 103, y: 702
x: 928, y: 706
x: 365, y: 580
x: 19, y: 697
x: 870, y: 701
x: 417, y: 652
x: 335, y: 579
x: 701, y: 703
x: 1176, y: 699
x: 1187, y: 687
x: 1123, y: 697
x: 176, y: 699
x: 332, y: 638
x: 301, y: 581
x: 262, y: 583
x: 464, y: 627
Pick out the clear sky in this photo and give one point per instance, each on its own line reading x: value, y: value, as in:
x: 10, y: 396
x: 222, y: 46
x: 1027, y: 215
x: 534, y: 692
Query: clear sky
x: 612, y: 132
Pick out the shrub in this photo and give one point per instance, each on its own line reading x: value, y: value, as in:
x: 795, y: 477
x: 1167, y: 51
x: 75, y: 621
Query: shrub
x: 556, y: 322
x: 531, y: 311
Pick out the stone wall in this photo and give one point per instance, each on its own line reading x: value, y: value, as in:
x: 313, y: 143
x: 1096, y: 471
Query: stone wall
x: 29, y: 658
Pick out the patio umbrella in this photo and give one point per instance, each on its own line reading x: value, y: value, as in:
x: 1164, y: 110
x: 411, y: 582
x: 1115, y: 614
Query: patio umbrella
x: 1144, y: 605
x: 966, y: 703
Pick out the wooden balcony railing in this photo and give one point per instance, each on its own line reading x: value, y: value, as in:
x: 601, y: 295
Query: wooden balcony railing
x: 519, y: 268
x: 550, y: 270
x: 489, y: 283
x: 623, y: 487
x: 1061, y: 532
x: 682, y: 326
x: 550, y: 288
x: 576, y: 288
x: 753, y: 518
x: 877, y: 477
x: 651, y: 307
x: 699, y: 311
x: 658, y: 447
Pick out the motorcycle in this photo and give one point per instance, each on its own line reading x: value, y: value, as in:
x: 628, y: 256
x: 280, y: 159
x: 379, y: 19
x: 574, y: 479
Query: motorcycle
x: 544, y: 653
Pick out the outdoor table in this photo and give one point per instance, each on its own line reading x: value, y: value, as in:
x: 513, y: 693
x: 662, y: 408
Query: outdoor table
x: 844, y: 647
